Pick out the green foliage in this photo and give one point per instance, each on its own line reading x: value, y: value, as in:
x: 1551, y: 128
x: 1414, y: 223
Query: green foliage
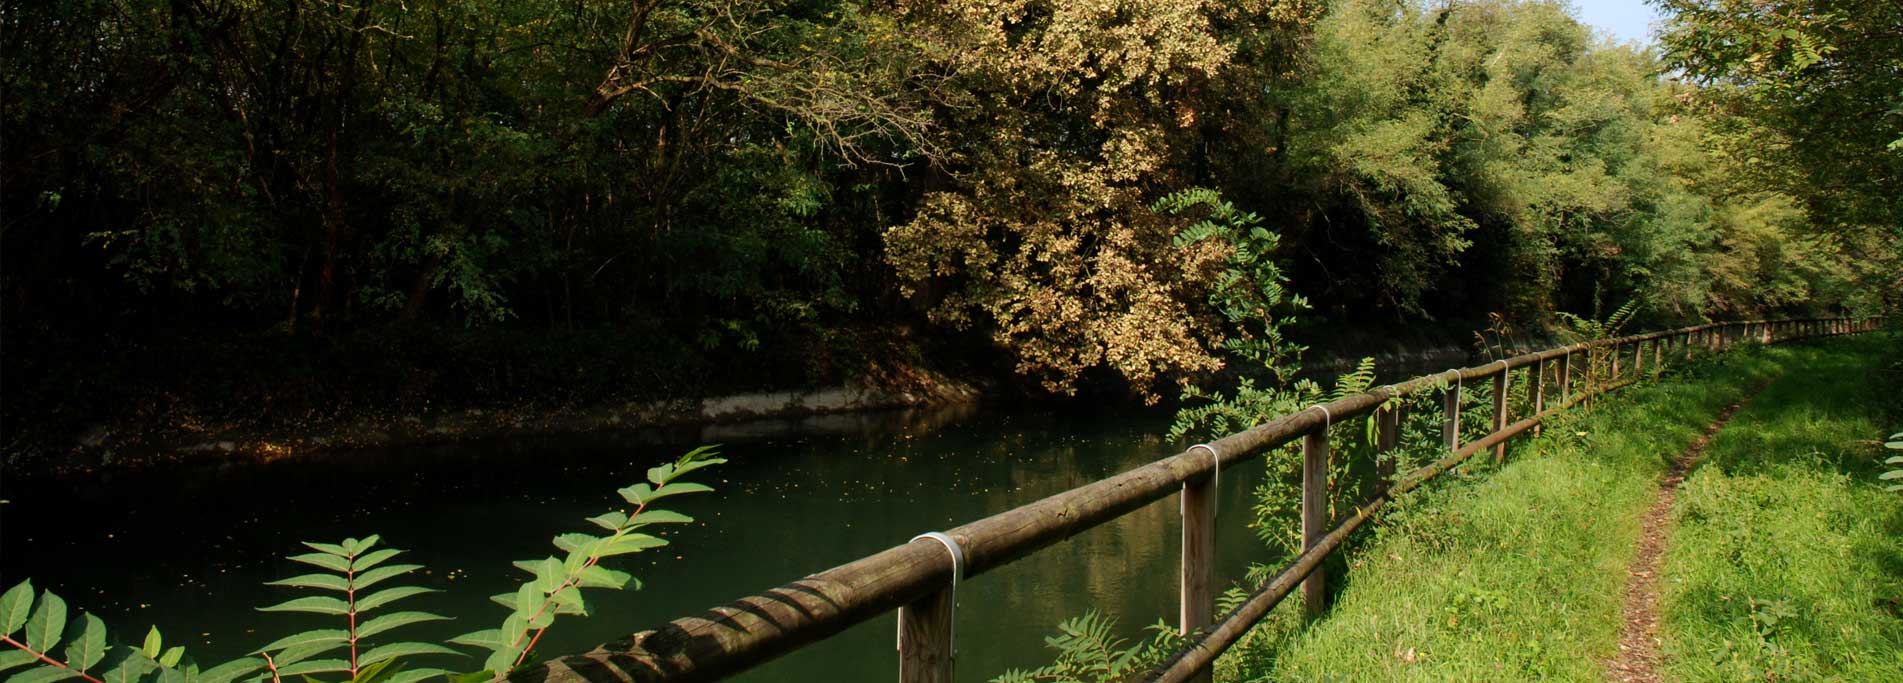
x: 1894, y: 443
x: 555, y: 588
x: 1782, y: 563
x: 1586, y: 329
x: 1250, y: 292
x: 32, y: 629
x: 740, y: 178
x: 352, y: 569
x: 1088, y: 651
x: 356, y: 581
x: 1517, y: 575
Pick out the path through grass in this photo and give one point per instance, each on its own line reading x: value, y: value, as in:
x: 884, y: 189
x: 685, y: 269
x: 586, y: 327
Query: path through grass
x: 1517, y: 574
x: 1788, y: 561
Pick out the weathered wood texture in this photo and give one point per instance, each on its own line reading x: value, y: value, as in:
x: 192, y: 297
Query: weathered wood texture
x: 1538, y: 390
x: 1387, y: 436
x: 925, y: 639
x: 1500, y: 387
x: 1198, y: 597
x: 1314, y: 514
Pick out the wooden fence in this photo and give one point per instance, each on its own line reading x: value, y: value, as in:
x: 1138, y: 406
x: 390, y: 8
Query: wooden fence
x: 919, y: 577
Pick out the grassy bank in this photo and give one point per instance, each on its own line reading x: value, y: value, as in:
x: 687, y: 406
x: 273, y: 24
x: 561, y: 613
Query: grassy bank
x: 1788, y: 561
x: 1517, y: 574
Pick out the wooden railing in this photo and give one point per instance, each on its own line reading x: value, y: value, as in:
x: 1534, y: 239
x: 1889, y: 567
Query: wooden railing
x: 918, y: 578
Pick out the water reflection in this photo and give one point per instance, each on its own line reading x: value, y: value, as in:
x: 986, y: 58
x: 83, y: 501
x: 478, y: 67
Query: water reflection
x: 189, y: 549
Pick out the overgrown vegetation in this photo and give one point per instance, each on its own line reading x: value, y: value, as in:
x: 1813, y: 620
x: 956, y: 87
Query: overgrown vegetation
x: 351, y: 569
x: 1785, y: 564
x: 1518, y: 573
x: 745, y: 184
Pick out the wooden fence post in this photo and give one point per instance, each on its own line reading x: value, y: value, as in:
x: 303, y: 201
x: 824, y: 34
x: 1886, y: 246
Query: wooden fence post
x: 1538, y: 388
x: 925, y: 639
x: 1617, y: 350
x: 1314, y: 513
x: 1565, y: 377
x: 1199, y: 551
x: 1450, y: 427
x: 1638, y: 359
x: 1500, y: 411
x: 1387, y: 435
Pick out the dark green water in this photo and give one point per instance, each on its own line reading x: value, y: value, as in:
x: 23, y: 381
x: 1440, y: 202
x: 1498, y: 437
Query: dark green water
x: 188, y: 550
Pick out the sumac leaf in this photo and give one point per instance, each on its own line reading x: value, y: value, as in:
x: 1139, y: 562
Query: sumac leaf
x: 316, y: 604
x: 394, y: 620
x: 15, y: 605
x: 47, y: 624
x: 389, y: 595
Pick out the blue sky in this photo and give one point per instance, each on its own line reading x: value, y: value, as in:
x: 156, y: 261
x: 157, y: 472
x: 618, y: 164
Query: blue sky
x: 1626, y: 20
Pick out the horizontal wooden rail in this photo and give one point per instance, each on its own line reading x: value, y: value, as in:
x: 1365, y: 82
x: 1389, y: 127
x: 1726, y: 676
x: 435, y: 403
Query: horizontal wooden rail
x: 755, y: 629
x: 1199, y: 655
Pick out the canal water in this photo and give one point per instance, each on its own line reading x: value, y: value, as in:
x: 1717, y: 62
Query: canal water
x: 189, y: 549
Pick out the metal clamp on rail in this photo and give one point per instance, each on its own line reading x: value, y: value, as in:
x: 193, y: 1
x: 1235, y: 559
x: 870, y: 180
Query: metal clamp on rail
x: 1328, y: 419
x: 958, y: 573
x: 1215, y: 485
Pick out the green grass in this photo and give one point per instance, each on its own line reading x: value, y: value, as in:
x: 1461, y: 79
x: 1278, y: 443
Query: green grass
x: 1788, y: 561
x: 1517, y: 574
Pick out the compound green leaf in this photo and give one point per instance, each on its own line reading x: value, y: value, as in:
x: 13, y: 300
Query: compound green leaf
x: 334, y: 563
x: 316, y: 604
x: 501, y: 660
x: 47, y: 624
x: 414, y: 675
x: 631, y: 543
x: 154, y: 643
x: 325, y: 581
x: 373, y: 558
x: 659, y: 474
x: 314, y: 666
x: 636, y: 494
x: 128, y: 665
x: 602, y: 577
x: 394, y: 650
x: 85, y: 650
x: 328, y: 548
x: 550, y: 575
x: 314, y: 637
x: 569, y: 601
x: 698, y: 462
x: 528, y: 601
x: 571, y: 542
x: 42, y: 674
x: 662, y: 517
x: 15, y: 605
x: 229, y: 671
x: 395, y: 620
x: 298, y: 653
x: 375, y: 576
x: 389, y: 595
x: 487, y: 639
x: 611, y: 521
x: 13, y: 658
x: 678, y: 488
